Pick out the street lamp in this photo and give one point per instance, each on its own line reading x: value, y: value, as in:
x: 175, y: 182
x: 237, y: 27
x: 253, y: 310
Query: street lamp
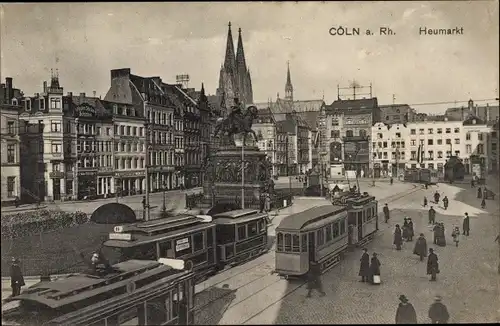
x: 164, y: 207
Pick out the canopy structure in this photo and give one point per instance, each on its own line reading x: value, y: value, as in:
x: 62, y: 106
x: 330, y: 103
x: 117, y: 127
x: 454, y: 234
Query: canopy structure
x: 338, y: 187
x: 113, y: 213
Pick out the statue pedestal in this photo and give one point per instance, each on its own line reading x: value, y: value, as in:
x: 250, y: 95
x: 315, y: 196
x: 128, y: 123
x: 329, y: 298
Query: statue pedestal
x: 224, y: 182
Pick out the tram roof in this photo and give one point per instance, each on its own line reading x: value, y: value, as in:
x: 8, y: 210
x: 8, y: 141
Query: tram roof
x: 237, y: 216
x: 237, y: 213
x: 162, y: 224
x: 300, y: 220
x: 78, y: 287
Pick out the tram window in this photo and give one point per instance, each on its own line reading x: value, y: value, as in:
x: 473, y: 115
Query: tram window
x: 288, y: 242
x: 360, y: 216
x: 329, y: 233
x: 129, y: 317
x: 321, y: 237
x: 143, y: 252
x: 295, y: 243
x: 336, y: 231
x: 183, y: 246
x: 166, y: 249
x: 304, y: 243
x: 279, y: 242
x: 210, y: 237
x: 198, y: 241
x: 252, y: 229
x: 225, y: 234
x: 156, y: 312
x: 342, y: 226
x: 262, y: 225
x: 242, y: 233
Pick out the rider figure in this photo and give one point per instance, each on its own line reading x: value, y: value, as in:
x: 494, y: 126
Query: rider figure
x: 236, y: 110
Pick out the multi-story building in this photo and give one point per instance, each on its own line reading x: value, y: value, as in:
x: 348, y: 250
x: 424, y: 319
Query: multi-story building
x: 475, y: 140
x: 389, y: 152
x: 265, y: 128
x: 207, y: 123
x: 285, y: 149
x: 10, y: 148
x: 330, y: 141
x: 357, y: 118
x: 485, y: 113
x: 397, y: 113
x: 493, y: 147
x: 303, y: 145
x: 8, y: 93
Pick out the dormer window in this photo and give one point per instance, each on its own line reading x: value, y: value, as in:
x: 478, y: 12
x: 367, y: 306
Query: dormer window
x: 14, y: 101
x: 27, y: 105
x: 115, y: 109
x: 42, y: 104
x: 473, y: 121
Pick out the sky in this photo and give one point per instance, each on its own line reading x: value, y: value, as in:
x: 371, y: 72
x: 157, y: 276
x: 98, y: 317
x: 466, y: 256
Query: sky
x: 85, y: 41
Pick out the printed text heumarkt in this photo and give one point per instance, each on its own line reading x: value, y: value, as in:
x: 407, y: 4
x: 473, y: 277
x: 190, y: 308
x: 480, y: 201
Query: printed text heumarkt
x: 441, y: 31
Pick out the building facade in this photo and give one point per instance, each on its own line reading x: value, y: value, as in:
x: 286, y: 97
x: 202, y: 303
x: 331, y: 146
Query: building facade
x: 389, y: 151
x: 234, y: 77
x: 396, y: 114
x: 493, y: 147
x: 486, y: 113
x: 265, y: 128
x: 10, y: 149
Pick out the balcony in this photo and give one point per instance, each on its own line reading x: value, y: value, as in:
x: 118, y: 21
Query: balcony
x: 56, y: 175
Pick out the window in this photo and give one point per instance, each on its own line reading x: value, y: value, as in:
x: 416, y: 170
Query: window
x: 387, y: 118
x: 385, y: 144
x: 304, y: 243
x: 430, y: 141
x: 480, y: 149
x: 321, y: 237
x: 467, y: 136
x: 329, y: 233
x: 55, y: 126
x: 288, y: 242
x: 457, y: 153
x: 479, y: 136
x: 413, y: 142
x: 242, y: 232
x: 421, y: 142
x: 156, y: 311
x: 10, y: 128
x: 457, y: 141
x: 430, y: 131
x: 431, y: 155
x: 295, y: 243
x: 56, y: 167
x: 413, y: 131
x: 279, y: 242
x: 413, y: 155
x: 198, y: 243
x: 457, y: 130
x: 252, y: 229
x: 336, y: 231
x: 335, y: 133
x: 468, y: 149
x: 398, y: 135
x: 55, y: 103
x: 448, y: 130
x: 342, y: 226
x: 448, y: 141
x: 439, y: 141
x: 11, y: 153
x: 56, y: 148
x: 439, y: 130
x: 349, y: 133
x: 421, y: 131
x: 440, y: 154
x: 11, y: 181
x: 362, y: 133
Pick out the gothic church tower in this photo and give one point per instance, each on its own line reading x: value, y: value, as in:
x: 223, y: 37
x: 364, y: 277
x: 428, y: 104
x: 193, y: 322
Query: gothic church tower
x: 234, y: 77
x: 288, y: 85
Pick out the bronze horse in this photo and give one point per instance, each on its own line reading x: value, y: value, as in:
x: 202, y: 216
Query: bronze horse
x: 232, y: 125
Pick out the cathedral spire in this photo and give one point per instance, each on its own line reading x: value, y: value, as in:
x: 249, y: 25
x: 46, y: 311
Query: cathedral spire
x: 288, y: 86
x: 240, y: 54
x: 229, y: 60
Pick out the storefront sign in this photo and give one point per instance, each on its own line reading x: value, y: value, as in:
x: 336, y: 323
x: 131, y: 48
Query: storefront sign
x: 129, y: 174
x: 182, y: 244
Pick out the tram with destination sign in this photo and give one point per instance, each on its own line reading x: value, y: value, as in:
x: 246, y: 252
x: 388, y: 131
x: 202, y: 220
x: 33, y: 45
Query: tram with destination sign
x: 322, y: 234
x: 207, y: 244
x: 134, y: 292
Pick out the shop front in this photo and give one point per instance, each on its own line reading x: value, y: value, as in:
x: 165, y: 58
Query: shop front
x: 129, y: 183
x: 87, y: 185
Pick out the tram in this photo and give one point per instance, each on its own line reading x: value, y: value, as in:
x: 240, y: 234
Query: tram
x: 429, y: 176
x: 323, y: 234
x: 134, y: 292
x: 207, y: 244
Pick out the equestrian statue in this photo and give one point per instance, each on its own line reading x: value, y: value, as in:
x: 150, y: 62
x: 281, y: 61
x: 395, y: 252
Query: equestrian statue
x: 237, y: 122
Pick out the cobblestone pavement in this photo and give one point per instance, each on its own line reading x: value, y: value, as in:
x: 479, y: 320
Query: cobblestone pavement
x: 468, y: 282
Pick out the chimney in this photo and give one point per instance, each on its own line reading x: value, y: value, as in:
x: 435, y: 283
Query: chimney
x: 94, y: 92
x: 8, y: 90
x: 45, y: 86
x: 70, y: 95
x: 82, y: 96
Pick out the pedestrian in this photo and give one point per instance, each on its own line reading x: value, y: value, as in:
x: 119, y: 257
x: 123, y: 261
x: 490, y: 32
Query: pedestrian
x: 16, y: 277
x: 143, y: 202
x: 438, y: 313
x: 455, y: 235
x: 392, y: 180
x: 445, y: 202
x: 406, y: 230
x: 432, y: 265
x: 485, y: 193
x: 386, y: 213
x: 432, y: 216
x: 426, y: 185
x: 425, y: 201
x: 411, y: 232
x: 435, y: 231
x: 16, y: 202
x: 479, y: 193
x: 483, y: 203
x: 375, y: 269
x: 398, y: 239
x: 472, y: 183
x: 267, y: 203
x: 261, y: 202
x: 405, y: 314
x: 466, y: 225
x: 364, y: 267
x: 436, y: 197
x: 441, y: 240
x: 421, y: 247
x: 314, y: 279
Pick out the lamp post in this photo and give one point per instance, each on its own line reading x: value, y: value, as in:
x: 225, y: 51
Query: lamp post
x: 243, y: 172
x: 164, y: 207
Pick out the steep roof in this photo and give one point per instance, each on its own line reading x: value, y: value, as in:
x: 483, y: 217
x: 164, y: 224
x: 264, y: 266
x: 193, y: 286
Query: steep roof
x: 352, y: 105
x: 287, y: 126
x: 310, y: 118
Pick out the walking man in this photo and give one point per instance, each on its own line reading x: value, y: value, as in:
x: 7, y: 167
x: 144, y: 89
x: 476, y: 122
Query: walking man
x: 466, y: 225
x: 425, y: 201
x: 421, y: 247
x: 445, y: 202
x: 432, y: 265
x: 364, y: 268
x: 438, y: 313
x: 432, y: 216
x: 16, y: 277
x: 405, y: 314
x: 386, y: 213
x: 375, y: 269
x: 398, y: 238
x: 314, y: 279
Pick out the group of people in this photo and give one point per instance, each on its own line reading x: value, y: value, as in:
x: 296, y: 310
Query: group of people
x: 369, y: 269
x: 437, y: 196
x: 406, y: 314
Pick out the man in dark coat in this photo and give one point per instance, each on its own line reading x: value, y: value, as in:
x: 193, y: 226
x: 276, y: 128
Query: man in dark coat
x: 432, y: 215
x: 406, y: 230
x: 466, y: 225
x: 445, y: 202
x: 425, y: 201
x: 314, y: 279
x: 421, y: 247
x: 364, y: 268
x: 410, y: 229
x: 386, y: 213
x: 16, y: 277
x: 479, y: 193
x: 374, y: 267
x: 405, y: 314
x: 436, y: 197
x: 432, y: 264
x: 398, y: 238
x: 441, y: 239
x: 438, y: 313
